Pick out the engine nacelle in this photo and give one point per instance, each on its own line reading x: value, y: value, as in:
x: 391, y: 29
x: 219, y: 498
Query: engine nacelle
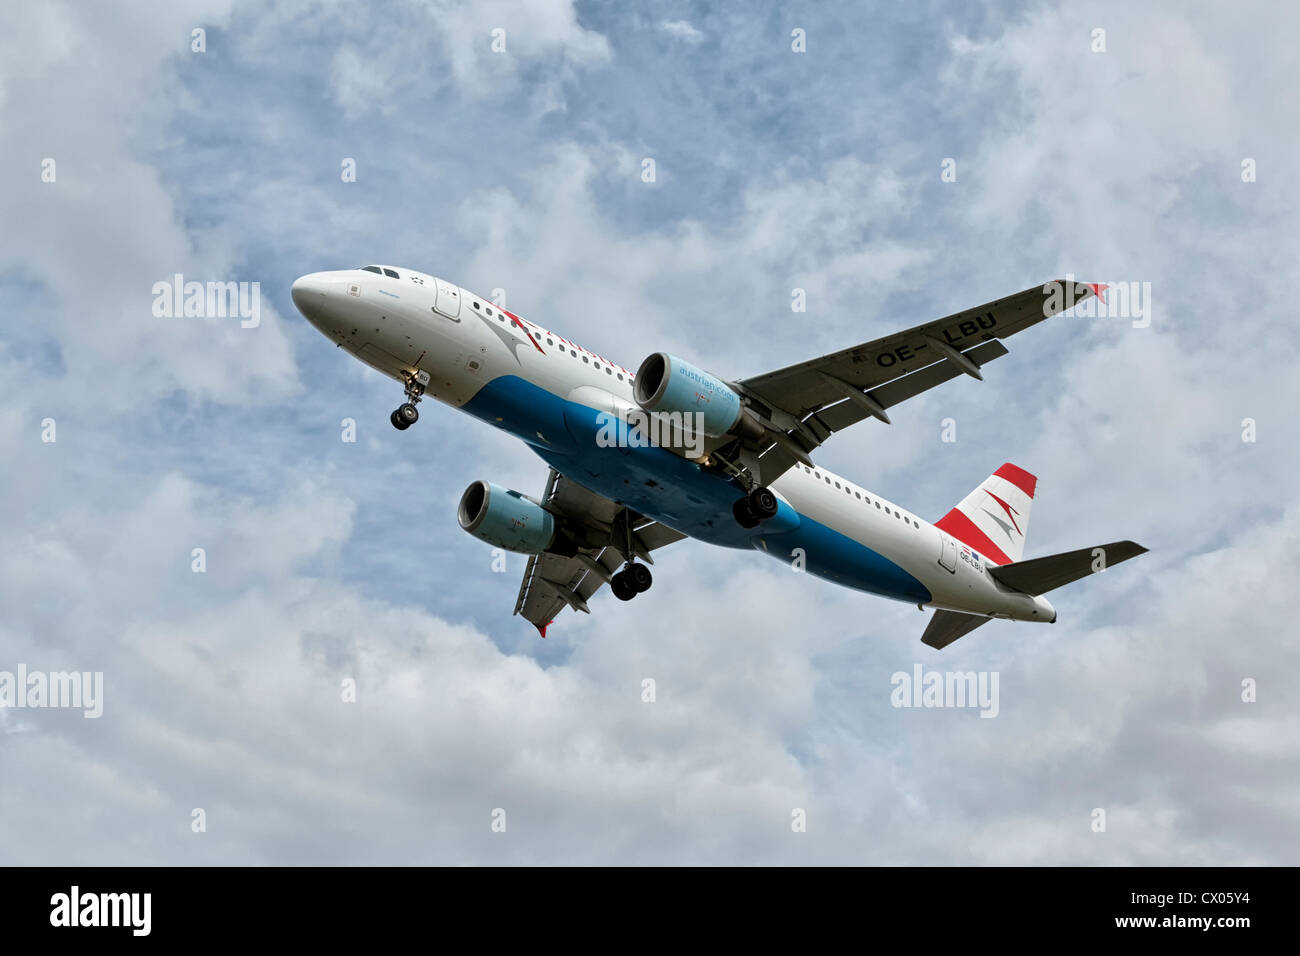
x: 665, y: 383
x: 506, y: 518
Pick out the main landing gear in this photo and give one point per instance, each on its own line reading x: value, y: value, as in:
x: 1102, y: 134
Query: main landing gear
x: 631, y: 581
x: 406, y: 414
x: 756, y: 507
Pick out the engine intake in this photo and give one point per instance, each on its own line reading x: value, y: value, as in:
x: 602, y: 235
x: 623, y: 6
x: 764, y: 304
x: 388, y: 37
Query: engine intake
x: 506, y: 519
x: 665, y: 383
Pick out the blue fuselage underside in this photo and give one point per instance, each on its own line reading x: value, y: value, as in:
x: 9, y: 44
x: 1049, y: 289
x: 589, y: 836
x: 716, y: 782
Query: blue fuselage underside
x: 677, y: 492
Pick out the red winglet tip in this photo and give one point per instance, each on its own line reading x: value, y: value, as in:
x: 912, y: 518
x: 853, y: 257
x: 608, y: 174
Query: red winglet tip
x: 541, y: 628
x: 1097, y: 289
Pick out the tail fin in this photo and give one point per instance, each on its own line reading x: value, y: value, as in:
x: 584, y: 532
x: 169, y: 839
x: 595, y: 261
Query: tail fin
x: 994, y: 518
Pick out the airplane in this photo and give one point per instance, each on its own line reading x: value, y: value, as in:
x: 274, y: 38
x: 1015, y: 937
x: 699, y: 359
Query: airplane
x: 731, y: 465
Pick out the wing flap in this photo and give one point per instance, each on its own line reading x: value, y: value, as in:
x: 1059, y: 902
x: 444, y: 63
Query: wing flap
x: 553, y: 581
x: 846, y: 413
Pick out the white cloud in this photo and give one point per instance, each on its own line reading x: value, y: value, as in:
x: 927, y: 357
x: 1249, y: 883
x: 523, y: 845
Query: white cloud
x: 98, y: 238
x: 681, y: 30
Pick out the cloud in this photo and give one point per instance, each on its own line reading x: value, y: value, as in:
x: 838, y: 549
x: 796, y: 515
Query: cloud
x: 475, y: 50
x: 681, y: 30
x: 100, y: 235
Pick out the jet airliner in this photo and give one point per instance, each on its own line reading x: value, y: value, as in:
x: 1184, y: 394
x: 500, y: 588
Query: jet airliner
x: 736, y: 470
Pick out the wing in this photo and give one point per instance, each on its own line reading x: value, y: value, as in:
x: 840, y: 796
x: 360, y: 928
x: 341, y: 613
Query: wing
x: 808, y: 402
x: 607, y: 535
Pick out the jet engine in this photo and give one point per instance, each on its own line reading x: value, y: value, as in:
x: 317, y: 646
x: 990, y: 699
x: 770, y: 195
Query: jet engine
x: 665, y: 383
x: 506, y: 519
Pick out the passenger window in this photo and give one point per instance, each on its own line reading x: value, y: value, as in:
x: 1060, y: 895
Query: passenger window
x: 488, y: 308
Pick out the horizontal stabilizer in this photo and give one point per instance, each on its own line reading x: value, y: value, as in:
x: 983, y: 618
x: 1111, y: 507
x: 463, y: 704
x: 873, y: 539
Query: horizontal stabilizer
x: 1040, y: 575
x: 946, y: 626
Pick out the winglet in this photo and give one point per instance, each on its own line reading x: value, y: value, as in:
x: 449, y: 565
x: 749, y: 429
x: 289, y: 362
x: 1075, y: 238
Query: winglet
x: 541, y: 628
x: 1097, y: 289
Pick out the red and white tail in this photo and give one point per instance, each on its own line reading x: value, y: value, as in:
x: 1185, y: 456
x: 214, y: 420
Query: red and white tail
x: 994, y: 518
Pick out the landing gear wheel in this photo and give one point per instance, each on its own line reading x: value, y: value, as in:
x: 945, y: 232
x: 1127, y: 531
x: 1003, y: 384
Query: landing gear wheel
x: 623, y: 588
x: 744, y: 515
x: 762, y: 503
x: 407, y: 414
x: 639, y: 576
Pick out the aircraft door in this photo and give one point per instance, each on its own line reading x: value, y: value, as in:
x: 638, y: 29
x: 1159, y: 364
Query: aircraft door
x: 948, y: 551
x: 448, y: 300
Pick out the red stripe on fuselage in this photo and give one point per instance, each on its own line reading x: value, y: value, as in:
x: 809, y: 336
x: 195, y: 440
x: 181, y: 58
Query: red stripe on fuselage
x: 1018, y: 477
x: 967, y: 532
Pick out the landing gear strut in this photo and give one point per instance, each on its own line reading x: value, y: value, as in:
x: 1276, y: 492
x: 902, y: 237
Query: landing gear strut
x: 631, y: 581
x: 757, y: 506
x: 406, y: 414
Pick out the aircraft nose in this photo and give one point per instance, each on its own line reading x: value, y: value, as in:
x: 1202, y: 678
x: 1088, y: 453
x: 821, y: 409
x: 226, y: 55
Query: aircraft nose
x: 307, y: 291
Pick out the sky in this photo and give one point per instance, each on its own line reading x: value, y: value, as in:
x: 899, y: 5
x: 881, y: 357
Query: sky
x: 912, y: 161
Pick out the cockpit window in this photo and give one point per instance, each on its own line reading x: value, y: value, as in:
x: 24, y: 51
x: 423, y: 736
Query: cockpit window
x: 375, y: 269
x: 391, y: 274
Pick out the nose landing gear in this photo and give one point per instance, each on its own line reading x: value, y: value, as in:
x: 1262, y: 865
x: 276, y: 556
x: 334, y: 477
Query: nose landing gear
x: 406, y: 414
